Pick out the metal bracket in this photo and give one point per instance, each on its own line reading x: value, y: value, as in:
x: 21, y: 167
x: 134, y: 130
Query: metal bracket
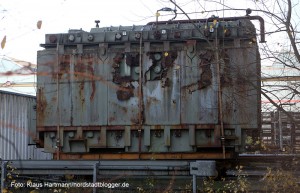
x: 203, y: 168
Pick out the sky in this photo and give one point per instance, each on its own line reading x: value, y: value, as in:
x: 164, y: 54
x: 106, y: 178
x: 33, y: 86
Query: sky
x: 18, y: 18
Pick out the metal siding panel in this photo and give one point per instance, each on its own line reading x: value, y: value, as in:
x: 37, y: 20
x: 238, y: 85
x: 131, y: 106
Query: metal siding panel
x: 14, y: 127
x: 88, y: 91
x: 63, y: 95
x: 240, y: 98
x: 120, y: 112
x: 123, y: 112
x: 162, y: 103
x: 198, y: 106
x: 98, y: 111
x: 82, y: 90
x: 46, y: 88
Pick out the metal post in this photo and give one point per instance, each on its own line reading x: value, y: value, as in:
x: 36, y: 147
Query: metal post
x: 220, y: 103
x: 280, y: 130
x: 3, y: 175
x: 57, y: 107
x: 194, y: 184
x: 202, y: 168
x: 95, y: 169
x: 140, y: 95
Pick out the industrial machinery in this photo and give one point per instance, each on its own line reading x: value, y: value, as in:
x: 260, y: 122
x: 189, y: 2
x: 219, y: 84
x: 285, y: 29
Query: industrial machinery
x: 185, y: 89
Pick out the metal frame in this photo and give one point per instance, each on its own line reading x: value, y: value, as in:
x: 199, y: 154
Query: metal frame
x: 98, y: 169
x: 84, y: 167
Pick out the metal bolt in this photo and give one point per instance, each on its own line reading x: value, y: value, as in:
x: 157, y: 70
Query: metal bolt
x: 137, y: 35
x: 71, y: 38
x: 90, y: 37
x: 157, y: 69
x: 118, y: 36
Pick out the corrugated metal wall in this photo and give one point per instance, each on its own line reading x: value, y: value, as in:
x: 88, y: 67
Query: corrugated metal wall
x: 15, y: 122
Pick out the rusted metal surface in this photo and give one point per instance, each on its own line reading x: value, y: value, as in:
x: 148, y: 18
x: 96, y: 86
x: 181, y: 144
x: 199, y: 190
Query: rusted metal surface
x: 248, y: 17
x: 147, y: 156
x: 239, y: 110
x: 82, y: 92
x: 152, y: 92
x: 199, y: 104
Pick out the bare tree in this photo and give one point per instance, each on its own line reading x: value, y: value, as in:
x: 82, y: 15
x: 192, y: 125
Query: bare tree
x: 280, y: 80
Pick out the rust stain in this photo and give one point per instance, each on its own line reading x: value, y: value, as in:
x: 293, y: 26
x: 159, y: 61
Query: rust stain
x: 226, y: 78
x: 123, y: 95
x: 157, y: 127
x: 206, y: 57
x: 124, y: 109
x: 64, y: 66
x: 79, y: 67
x: 111, y: 119
x: 118, y: 58
x: 81, y: 92
x: 134, y: 121
x: 91, y: 70
x: 206, y: 76
x: 152, y: 101
x: 41, y: 106
x: 148, y: 156
x: 168, y: 59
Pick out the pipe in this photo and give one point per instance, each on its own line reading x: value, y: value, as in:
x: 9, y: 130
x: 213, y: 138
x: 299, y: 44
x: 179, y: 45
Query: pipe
x: 95, y: 169
x: 220, y: 104
x: 57, y: 108
x: 140, y: 95
x: 256, y: 17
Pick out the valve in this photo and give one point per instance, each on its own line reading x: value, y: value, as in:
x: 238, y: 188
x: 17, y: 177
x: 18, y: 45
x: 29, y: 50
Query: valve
x: 97, y: 23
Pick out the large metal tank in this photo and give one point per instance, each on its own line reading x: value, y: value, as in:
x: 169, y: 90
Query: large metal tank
x: 166, y: 90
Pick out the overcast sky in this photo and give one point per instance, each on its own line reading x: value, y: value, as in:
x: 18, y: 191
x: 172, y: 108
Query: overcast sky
x: 18, y: 18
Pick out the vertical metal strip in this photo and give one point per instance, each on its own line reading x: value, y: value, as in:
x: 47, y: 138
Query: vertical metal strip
x: 280, y: 129
x: 57, y: 108
x: 140, y: 96
x: 95, y: 169
x: 220, y: 95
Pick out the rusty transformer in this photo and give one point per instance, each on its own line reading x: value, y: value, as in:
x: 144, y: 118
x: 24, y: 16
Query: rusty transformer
x: 185, y: 89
